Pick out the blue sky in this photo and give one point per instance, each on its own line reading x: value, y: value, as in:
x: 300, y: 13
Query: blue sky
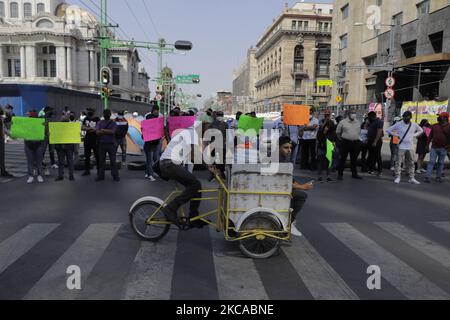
x: 221, y: 32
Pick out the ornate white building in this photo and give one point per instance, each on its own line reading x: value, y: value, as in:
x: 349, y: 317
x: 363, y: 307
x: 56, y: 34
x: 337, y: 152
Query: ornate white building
x: 49, y: 42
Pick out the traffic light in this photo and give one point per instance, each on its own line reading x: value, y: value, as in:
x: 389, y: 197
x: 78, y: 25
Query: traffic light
x: 105, y: 75
x: 106, y: 92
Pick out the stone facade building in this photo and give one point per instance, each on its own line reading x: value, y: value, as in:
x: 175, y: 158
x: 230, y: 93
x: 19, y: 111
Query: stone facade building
x: 244, y: 81
x: 51, y: 43
x: 420, y: 31
x: 293, y: 53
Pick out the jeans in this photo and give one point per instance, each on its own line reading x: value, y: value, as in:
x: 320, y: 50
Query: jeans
x: 110, y: 149
x: 34, y: 156
x: 364, y: 160
x: 192, y: 186
x: 439, y: 156
x: 65, y: 154
x: 298, y: 200
x: 89, y: 146
x: 352, y: 148
x: 51, y: 151
x: 375, y: 158
x: 151, y: 157
x: 394, y: 154
x: 122, y: 143
x: 406, y: 156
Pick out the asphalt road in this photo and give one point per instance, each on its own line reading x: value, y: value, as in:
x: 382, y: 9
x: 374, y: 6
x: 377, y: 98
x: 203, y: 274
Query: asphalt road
x: 347, y: 226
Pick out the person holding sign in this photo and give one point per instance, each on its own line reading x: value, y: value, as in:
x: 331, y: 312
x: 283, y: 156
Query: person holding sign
x: 34, y: 151
x: 121, y: 134
x: 65, y: 152
x: 90, y: 140
x: 151, y: 146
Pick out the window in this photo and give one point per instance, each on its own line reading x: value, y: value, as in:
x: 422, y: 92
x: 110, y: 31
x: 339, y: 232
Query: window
x: 323, y: 61
x: 370, y: 61
x: 344, y: 41
x: 40, y: 7
x: 17, y: 70
x: 44, y: 50
x: 116, y: 76
x: 132, y: 78
x: 14, y: 10
x: 423, y: 8
x: 409, y: 49
x: 44, y: 23
x: 305, y: 25
x: 344, y: 11
x: 45, y: 68
x: 52, y: 50
x: 10, y: 68
x: 299, y: 57
x: 2, y: 9
x: 115, y: 60
x: 53, y: 68
x: 436, y: 40
x: 294, y: 25
x: 27, y: 10
x: 319, y: 11
x: 331, y: 11
x: 398, y: 19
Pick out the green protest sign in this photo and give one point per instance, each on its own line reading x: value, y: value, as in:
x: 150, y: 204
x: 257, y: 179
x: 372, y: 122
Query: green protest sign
x: 65, y: 132
x: 247, y: 123
x: 330, y: 149
x: 32, y: 129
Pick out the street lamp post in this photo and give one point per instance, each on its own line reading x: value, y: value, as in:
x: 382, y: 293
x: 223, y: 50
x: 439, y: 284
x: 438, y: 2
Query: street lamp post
x: 418, y: 89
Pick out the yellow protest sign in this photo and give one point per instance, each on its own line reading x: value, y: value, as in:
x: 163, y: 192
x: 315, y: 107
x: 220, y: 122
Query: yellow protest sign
x: 65, y: 132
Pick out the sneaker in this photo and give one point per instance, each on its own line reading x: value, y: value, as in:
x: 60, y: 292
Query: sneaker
x: 357, y: 177
x: 439, y: 180
x: 294, y: 231
x: 59, y: 179
x: 320, y: 180
x: 379, y: 174
x: 155, y: 175
x: 147, y: 176
x: 199, y: 224
x: 392, y: 168
x: 71, y: 178
x: 40, y: 179
x: 151, y: 178
x: 46, y: 172
x: 427, y: 180
x: 329, y: 179
x: 7, y: 175
x: 30, y: 180
x: 414, y: 181
x: 397, y: 180
x: 86, y: 173
x: 55, y: 166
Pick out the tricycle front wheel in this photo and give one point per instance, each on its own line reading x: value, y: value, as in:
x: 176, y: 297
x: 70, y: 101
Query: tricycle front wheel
x: 258, y: 246
x: 148, y: 221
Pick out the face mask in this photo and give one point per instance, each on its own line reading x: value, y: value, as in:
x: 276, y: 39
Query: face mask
x: 407, y: 119
x: 72, y: 118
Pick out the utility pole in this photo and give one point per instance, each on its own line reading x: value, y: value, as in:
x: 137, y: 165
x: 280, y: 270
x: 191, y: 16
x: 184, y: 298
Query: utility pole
x: 104, y: 46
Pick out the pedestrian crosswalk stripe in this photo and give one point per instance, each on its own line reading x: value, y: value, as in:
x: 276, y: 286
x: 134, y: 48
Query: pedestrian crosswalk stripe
x: 21, y: 242
x: 409, y: 282
x: 419, y: 242
x: 151, y: 275
x: 443, y: 225
x: 237, y: 277
x: 84, y: 253
x: 319, y: 277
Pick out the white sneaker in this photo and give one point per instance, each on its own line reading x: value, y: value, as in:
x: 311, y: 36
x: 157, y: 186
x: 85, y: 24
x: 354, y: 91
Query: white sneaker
x: 294, y: 231
x: 151, y: 178
x: 397, y: 180
x: 414, y: 181
x: 155, y: 175
x: 30, y: 180
x: 55, y: 166
x: 146, y: 176
x: 392, y: 168
x: 40, y: 179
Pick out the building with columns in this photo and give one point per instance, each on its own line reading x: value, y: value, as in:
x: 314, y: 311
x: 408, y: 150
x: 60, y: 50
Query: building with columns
x: 292, y: 54
x: 51, y: 43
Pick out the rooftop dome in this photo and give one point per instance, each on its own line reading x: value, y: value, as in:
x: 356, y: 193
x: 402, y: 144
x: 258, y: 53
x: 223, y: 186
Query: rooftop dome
x: 74, y: 13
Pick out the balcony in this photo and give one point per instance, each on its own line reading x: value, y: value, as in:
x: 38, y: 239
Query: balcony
x: 275, y: 75
x: 299, y: 72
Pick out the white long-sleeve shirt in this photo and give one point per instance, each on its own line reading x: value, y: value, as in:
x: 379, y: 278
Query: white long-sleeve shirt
x: 399, y: 129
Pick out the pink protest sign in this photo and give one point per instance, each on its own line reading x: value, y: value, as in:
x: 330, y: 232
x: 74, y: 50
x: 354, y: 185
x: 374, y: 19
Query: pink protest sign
x: 152, y: 129
x: 176, y: 123
x: 427, y: 131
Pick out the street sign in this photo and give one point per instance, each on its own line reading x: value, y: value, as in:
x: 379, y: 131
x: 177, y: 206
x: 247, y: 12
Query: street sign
x: 390, y: 82
x: 389, y: 93
x: 187, y: 79
x: 338, y: 99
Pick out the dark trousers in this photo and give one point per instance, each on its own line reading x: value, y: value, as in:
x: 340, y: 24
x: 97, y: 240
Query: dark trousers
x: 309, y: 154
x: 34, y: 156
x: 110, y: 149
x: 51, y: 151
x: 151, y: 156
x: 364, y: 147
x: 375, y: 158
x: 192, y: 186
x: 298, y: 200
x: 352, y: 148
x: 122, y: 143
x: 89, y: 147
x: 2, y: 154
x: 63, y: 155
x: 323, y: 163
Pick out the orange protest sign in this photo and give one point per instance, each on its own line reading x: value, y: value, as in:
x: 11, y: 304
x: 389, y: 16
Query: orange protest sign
x: 296, y: 115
